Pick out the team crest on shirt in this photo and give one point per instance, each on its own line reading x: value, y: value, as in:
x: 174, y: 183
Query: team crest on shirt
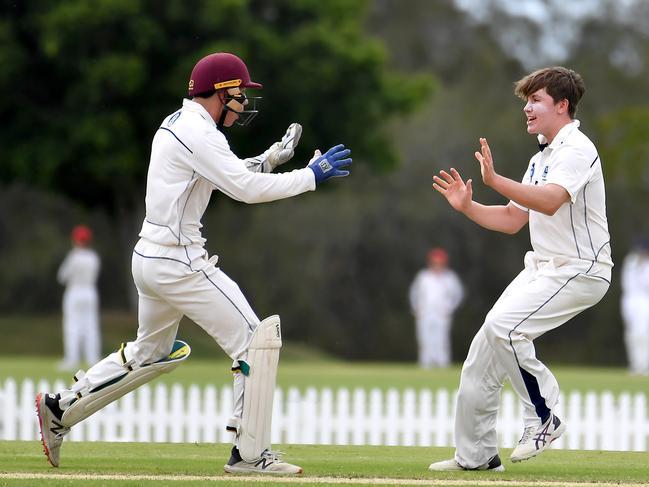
x: 544, y: 177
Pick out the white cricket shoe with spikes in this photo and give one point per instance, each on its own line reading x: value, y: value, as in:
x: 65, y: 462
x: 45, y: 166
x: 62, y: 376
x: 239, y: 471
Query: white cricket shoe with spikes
x: 52, y: 431
x: 269, y: 463
x: 536, y: 439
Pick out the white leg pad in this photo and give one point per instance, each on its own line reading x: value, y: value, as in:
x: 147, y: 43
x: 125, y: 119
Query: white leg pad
x: 263, y: 357
x: 91, y: 401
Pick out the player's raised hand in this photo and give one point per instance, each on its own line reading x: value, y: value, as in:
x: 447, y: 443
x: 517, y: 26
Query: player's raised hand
x: 278, y: 153
x: 328, y: 165
x: 282, y: 151
x: 458, y: 193
x: 486, y: 162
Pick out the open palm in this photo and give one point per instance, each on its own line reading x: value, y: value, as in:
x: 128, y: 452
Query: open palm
x: 458, y: 193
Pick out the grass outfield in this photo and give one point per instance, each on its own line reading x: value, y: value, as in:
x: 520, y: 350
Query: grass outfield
x: 322, y: 372
x: 92, y: 464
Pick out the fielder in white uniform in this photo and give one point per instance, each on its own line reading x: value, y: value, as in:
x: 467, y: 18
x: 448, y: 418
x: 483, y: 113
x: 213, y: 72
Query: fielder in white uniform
x: 78, y: 273
x: 190, y: 158
x: 434, y: 296
x: 635, y: 307
x: 562, y: 198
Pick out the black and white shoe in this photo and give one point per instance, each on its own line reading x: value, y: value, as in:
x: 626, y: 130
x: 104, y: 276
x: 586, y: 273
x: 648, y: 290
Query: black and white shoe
x: 494, y: 464
x: 270, y: 462
x: 49, y: 422
x: 536, y: 439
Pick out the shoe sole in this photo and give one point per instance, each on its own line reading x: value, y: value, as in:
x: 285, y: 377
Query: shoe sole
x: 236, y: 470
x: 499, y: 468
x: 46, y: 450
x: 556, y: 435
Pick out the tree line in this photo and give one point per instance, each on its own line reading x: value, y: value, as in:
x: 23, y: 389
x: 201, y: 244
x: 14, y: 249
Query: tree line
x: 410, y: 90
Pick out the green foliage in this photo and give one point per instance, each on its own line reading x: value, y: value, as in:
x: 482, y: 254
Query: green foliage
x: 98, y: 76
x: 623, y: 145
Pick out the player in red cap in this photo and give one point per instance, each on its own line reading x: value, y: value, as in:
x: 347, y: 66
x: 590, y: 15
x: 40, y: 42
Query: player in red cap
x: 78, y: 273
x: 435, y: 294
x: 175, y: 277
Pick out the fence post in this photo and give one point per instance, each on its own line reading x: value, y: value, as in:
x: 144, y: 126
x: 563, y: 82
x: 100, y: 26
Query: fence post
x: 408, y: 418
x: 325, y: 436
x: 640, y: 424
x: 392, y: 417
x: 443, y: 418
x: 341, y: 426
x: 358, y: 417
x: 425, y: 421
x: 309, y: 411
x: 376, y: 417
x: 10, y: 410
x: 292, y: 418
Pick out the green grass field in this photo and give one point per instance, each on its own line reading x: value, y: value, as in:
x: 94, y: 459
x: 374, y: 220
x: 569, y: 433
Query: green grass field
x: 296, y: 371
x: 136, y: 464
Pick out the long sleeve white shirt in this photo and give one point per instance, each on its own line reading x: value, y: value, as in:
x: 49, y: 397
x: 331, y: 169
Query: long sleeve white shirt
x: 190, y: 158
x: 79, y: 269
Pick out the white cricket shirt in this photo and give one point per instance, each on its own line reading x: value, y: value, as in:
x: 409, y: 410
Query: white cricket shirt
x: 79, y: 269
x: 190, y: 158
x: 579, y: 229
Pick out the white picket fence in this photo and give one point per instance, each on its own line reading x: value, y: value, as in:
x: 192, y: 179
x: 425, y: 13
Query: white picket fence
x: 359, y: 417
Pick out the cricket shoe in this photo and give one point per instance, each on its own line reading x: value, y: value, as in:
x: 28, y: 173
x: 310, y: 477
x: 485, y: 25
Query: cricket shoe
x: 494, y: 464
x: 535, y: 439
x: 52, y: 430
x: 270, y: 462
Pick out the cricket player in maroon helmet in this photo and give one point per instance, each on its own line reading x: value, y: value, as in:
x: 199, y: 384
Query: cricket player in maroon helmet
x: 175, y: 277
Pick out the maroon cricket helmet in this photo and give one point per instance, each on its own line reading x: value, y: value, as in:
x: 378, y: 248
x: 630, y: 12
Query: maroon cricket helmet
x: 219, y: 70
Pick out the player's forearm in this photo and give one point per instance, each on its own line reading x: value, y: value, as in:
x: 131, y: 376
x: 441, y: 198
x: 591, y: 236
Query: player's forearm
x: 532, y: 197
x: 492, y: 217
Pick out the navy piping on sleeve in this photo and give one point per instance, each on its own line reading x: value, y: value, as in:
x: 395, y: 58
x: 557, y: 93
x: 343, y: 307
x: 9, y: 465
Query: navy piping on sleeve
x: 183, y: 144
x: 594, y: 161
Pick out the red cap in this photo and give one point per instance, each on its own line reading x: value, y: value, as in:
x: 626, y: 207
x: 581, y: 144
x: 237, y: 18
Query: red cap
x: 438, y: 255
x: 81, y: 235
x: 219, y: 70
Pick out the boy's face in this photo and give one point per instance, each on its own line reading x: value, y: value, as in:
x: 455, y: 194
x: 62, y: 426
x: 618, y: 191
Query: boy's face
x: 542, y: 113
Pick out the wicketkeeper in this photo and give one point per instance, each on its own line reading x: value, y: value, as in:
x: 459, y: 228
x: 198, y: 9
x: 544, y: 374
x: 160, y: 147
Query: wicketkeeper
x: 190, y: 158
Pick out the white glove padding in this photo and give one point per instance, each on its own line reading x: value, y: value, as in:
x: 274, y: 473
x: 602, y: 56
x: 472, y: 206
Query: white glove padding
x: 278, y: 153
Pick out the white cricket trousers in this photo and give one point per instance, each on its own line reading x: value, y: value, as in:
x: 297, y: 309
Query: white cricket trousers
x: 542, y: 297
x: 433, y: 336
x: 173, y: 282
x: 81, y: 335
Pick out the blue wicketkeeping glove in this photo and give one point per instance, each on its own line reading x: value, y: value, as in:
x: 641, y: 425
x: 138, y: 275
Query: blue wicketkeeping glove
x: 328, y: 165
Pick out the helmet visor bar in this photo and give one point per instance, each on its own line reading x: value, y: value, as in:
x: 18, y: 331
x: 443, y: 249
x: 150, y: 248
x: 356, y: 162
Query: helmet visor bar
x: 237, y: 102
x: 249, y: 112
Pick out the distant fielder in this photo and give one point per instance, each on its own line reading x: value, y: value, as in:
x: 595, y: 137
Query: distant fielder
x: 562, y: 198
x: 190, y: 158
x: 434, y: 295
x: 78, y: 273
x: 635, y: 307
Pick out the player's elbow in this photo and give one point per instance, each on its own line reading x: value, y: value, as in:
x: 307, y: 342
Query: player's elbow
x: 512, y: 230
x: 550, y: 209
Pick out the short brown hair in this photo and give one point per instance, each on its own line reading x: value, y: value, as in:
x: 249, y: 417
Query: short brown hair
x: 558, y: 81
